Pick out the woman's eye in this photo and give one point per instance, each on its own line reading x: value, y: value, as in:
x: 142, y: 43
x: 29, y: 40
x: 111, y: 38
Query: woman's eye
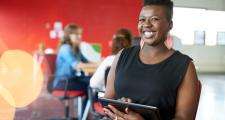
x: 141, y: 20
x: 155, y: 19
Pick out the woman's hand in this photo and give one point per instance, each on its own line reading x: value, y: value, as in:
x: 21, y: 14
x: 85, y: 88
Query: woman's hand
x: 80, y: 65
x: 118, y: 115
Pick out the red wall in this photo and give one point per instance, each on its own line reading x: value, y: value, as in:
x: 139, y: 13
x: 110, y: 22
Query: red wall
x: 23, y: 23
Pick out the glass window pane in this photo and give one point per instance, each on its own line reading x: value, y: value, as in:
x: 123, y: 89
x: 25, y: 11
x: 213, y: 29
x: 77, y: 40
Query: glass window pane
x: 199, y: 37
x: 221, y: 38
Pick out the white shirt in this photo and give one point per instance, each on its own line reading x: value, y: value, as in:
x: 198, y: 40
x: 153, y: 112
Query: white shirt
x: 98, y: 79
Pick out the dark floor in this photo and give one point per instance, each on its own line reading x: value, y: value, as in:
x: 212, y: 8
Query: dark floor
x: 211, y: 106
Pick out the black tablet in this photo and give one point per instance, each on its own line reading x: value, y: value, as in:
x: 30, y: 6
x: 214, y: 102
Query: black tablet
x: 147, y: 111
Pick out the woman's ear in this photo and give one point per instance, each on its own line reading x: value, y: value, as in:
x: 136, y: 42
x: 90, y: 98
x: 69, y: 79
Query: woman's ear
x: 171, y: 25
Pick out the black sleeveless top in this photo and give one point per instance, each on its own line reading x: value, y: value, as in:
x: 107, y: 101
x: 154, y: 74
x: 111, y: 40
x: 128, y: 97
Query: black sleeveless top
x: 150, y: 84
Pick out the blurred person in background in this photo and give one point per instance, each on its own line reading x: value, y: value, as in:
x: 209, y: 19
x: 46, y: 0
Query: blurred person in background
x: 70, y: 61
x: 121, y: 39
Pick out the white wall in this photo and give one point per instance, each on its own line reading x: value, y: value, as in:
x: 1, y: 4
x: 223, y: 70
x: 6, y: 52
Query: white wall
x: 207, y: 4
x: 189, y: 20
x: 207, y: 58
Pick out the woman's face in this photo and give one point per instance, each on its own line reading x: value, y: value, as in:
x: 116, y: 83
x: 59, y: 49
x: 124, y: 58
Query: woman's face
x: 153, y: 25
x: 76, y: 37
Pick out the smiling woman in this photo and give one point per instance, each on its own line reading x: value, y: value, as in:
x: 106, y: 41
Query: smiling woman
x: 153, y: 74
x: 154, y: 24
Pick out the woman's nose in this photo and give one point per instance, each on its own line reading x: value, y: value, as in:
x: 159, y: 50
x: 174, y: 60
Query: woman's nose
x: 147, y: 23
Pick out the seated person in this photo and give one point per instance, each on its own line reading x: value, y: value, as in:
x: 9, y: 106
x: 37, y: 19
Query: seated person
x: 153, y: 74
x: 70, y: 61
x: 122, y: 39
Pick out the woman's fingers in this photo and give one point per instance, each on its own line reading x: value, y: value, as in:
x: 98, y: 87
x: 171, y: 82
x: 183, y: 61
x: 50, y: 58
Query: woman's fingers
x: 112, y: 115
x: 115, y: 111
x: 115, y: 114
x: 129, y: 100
x: 126, y: 100
x: 123, y: 99
x: 109, y: 114
x: 127, y: 110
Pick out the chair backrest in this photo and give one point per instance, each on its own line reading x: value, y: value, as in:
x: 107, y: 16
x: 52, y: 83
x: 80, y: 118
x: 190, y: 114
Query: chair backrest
x: 96, y: 107
x: 106, y: 74
x: 50, y: 61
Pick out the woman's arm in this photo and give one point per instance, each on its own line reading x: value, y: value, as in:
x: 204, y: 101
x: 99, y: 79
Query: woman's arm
x: 82, y: 65
x: 188, y: 95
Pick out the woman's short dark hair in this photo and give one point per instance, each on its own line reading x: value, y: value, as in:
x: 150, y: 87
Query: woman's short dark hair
x: 168, y: 4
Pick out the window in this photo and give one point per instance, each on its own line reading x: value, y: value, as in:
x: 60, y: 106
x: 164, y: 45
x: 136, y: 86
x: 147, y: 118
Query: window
x: 199, y: 26
x: 186, y: 22
x: 220, y: 38
x: 199, y: 37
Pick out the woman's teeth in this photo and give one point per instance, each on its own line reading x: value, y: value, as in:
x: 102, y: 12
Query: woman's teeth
x: 148, y: 34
